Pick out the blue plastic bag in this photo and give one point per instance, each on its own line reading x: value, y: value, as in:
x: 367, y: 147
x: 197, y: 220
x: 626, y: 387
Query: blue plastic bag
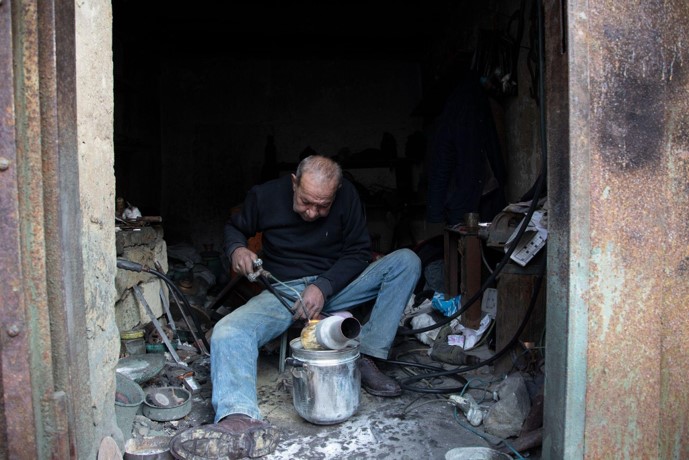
x: 446, y: 307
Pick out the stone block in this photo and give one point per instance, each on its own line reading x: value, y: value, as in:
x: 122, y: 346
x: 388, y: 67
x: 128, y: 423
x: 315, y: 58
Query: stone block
x: 129, y: 312
x: 505, y: 418
x: 145, y: 247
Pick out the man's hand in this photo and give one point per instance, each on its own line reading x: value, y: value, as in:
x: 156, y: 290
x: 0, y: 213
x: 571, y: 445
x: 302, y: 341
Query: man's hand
x: 313, y: 303
x: 243, y: 261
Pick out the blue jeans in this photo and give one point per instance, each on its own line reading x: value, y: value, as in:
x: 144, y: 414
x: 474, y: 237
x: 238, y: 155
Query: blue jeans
x: 238, y: 336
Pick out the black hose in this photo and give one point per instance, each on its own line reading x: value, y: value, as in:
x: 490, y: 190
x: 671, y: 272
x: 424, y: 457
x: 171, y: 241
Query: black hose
x: 532, y: 208
x: 137, y: 267
x: 187, y: 306
x: 406, y: 382
x: 281, y: 296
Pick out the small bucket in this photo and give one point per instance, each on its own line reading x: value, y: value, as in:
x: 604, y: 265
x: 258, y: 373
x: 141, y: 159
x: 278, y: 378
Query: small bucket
x: 128, y: 399
x: 325, y: 383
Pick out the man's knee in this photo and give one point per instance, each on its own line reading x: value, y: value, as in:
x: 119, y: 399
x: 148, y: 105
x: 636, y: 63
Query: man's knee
x: 231, y: 327
x: 224, y: 333
x: 407, y: 259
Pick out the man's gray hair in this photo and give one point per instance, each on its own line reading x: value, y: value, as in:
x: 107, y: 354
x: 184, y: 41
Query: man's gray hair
x: 323, y: 168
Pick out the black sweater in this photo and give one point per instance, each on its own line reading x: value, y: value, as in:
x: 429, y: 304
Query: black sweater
x: 336, y: 248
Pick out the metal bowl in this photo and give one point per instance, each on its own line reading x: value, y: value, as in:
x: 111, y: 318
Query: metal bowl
x: 166, y: 403
x: 150, y: 448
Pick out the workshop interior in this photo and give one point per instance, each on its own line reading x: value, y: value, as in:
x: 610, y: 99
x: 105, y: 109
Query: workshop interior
x: 208, y: 106
x: 451, y: 119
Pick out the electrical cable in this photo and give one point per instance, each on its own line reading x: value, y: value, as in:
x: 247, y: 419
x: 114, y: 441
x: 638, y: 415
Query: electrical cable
x: 485, y: 390
x: 477, y: 433
x: 281, y: 296
x: 534, y: 202
x: 270, y: 275
x: 197, y: 341
x: 406, y: 384
x: 187, y: 305
x: 490, y: 280
x: 137, y: 267
x: 278, y: 295
x: 485, y: 262
x: 430, y: 401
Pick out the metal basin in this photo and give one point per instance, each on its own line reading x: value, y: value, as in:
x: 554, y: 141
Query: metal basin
x: 167, y: 403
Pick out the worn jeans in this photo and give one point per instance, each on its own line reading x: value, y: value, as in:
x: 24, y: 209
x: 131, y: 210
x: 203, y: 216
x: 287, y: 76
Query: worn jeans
x: 238, y: 336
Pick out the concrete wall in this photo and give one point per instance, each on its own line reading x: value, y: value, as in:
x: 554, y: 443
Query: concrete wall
x: 97, y: 201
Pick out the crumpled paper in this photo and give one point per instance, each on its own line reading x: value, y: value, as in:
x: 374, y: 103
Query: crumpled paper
x: 465, y: 337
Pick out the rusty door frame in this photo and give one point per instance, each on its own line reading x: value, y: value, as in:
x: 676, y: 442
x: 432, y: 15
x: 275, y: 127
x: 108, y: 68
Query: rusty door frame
x: 618, y: 250
x: 46, y: 395
x: 17, y: 407
x: 566, y: 317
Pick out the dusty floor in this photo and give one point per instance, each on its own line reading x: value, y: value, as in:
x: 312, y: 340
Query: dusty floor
x: 413, y: 426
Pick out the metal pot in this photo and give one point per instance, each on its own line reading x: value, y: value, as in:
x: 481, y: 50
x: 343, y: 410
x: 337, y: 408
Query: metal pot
x: 167, y: 403
x: 325, y: 383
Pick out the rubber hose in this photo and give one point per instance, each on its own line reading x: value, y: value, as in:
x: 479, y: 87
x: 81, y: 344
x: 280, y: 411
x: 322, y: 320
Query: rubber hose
x: 522, y: 229
x: 406, y: 382
x: 185, y: 302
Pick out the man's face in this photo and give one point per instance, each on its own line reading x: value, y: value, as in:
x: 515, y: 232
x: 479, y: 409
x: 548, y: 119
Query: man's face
x: 312, y: 198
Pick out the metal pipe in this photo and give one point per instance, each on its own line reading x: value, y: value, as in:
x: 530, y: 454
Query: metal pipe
x: 140, y: 296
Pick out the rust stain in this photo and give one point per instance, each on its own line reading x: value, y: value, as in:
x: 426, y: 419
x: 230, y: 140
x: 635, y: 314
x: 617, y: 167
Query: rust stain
x: 638, y: 192
x: 17, y: 434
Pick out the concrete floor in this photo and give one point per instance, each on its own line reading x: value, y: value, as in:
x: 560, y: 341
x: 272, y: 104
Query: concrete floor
x: 412, y: 426
x: 415, y: 425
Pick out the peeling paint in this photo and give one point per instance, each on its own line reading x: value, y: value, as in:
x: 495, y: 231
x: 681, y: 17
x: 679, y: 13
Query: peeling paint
x: 606, y: 193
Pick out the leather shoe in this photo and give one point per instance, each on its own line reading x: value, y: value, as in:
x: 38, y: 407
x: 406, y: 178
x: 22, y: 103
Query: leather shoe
x: 375, y: 382
x: 235, y: 436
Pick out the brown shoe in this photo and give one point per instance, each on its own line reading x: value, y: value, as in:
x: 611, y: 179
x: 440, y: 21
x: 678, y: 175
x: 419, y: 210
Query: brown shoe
x: 235, y: 436
x: 375, y: 382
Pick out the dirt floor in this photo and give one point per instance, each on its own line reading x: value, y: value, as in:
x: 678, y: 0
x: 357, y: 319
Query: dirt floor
x: 419, y: 424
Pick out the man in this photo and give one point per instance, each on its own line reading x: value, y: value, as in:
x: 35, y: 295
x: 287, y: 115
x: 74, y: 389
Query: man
x: 315, y: 240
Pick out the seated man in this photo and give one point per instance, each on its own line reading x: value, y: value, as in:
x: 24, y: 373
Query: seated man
x: 316, y: 242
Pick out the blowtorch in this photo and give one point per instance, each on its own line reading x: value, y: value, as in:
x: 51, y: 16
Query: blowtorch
x: 332, y: 333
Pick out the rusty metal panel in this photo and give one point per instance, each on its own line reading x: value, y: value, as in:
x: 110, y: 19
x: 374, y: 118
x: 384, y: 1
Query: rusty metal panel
x: 638, y: 228
x: 619, y: 233
x: 29, y: 142
x: 18, y: 434
x: 37, y: 134
x: 64, y: 233
x: 673, y: 398
x: 60, y: 432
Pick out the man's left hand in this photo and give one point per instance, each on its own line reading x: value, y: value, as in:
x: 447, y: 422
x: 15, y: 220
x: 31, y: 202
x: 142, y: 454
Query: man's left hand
x: 313, y: 303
